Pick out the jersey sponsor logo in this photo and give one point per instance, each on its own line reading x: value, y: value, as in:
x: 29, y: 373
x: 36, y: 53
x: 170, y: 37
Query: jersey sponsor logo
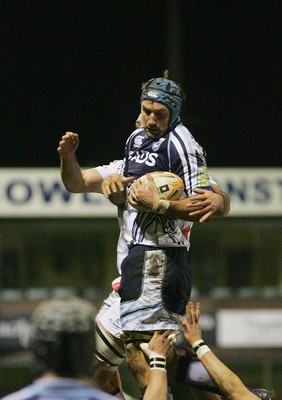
x: 203, y: 177
x: 138, y: 141
x: 144, y: 157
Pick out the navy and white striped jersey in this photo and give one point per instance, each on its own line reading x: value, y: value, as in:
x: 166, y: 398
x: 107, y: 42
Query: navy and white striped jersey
x: 178, y: 152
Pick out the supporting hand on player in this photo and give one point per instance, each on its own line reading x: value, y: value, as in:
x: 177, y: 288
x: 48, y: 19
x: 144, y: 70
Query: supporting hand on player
x: 160, y: 344
x: 114, y: 188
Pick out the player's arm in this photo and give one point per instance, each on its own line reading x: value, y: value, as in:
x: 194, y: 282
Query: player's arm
x: 157, y: 349
x: 114, y: 188
x: 228, y: 381
x: 149, y: 365
x: 74, y: 178
x: 205, y: 205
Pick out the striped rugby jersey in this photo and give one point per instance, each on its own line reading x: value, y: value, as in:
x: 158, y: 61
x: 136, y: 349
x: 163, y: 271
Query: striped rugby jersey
x: 178, y: 152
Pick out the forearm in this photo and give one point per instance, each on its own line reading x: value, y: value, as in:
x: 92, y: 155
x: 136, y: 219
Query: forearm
x: 157, y: 385
x: 229, y: 383
x: 77, y: 180
x: 203, y: 206
x: 178, y: 209
x: 71, y: 175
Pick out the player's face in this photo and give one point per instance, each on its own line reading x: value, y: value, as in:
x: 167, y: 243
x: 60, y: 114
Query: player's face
x: 155, y: 118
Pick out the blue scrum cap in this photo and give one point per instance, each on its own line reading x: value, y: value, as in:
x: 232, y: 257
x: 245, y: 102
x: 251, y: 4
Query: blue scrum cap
x: 164, y: 91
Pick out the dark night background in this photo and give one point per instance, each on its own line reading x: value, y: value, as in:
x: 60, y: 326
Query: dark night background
x: 78, y: 65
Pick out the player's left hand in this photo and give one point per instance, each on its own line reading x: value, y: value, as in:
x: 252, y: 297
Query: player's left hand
x: 209, y: 203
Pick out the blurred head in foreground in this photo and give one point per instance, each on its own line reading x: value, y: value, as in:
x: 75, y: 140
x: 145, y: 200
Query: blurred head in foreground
x: 62, y: 337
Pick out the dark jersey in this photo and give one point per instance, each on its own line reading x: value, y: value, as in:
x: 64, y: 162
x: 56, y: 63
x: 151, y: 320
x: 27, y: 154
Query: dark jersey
x: 178, y: 152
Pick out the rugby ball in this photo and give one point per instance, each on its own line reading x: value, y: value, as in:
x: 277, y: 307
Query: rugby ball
x: 169, y: 185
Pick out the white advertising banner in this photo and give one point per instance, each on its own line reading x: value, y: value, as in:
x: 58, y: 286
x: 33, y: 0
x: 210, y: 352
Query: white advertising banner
x: 253, y: 191
x: 249, y: 328
x: 39, y: 192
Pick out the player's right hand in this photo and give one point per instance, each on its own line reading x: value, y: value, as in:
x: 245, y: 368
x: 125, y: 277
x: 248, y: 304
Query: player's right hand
x: 114, y: 188
x: 68, y: 145
x: 144, y: 197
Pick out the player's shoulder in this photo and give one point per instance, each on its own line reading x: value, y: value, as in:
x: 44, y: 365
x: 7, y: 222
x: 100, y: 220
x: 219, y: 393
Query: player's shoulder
x: 23, y: 394
x: 183, y: 134
x: 182, y: 130
x: 136, y: 132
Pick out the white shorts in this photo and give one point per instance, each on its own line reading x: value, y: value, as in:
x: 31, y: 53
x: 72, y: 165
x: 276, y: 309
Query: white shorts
x: 109, y: 314
x: 107, y: 329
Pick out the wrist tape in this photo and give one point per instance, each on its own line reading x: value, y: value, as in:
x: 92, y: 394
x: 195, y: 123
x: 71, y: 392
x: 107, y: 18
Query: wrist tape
x: 158, y: 362
x: 202, y: 351
x: 200, y: 348
x: 161, y: 207
x: 196, y: 345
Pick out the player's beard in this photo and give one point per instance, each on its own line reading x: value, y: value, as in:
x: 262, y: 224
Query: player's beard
x: 154, y: 134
